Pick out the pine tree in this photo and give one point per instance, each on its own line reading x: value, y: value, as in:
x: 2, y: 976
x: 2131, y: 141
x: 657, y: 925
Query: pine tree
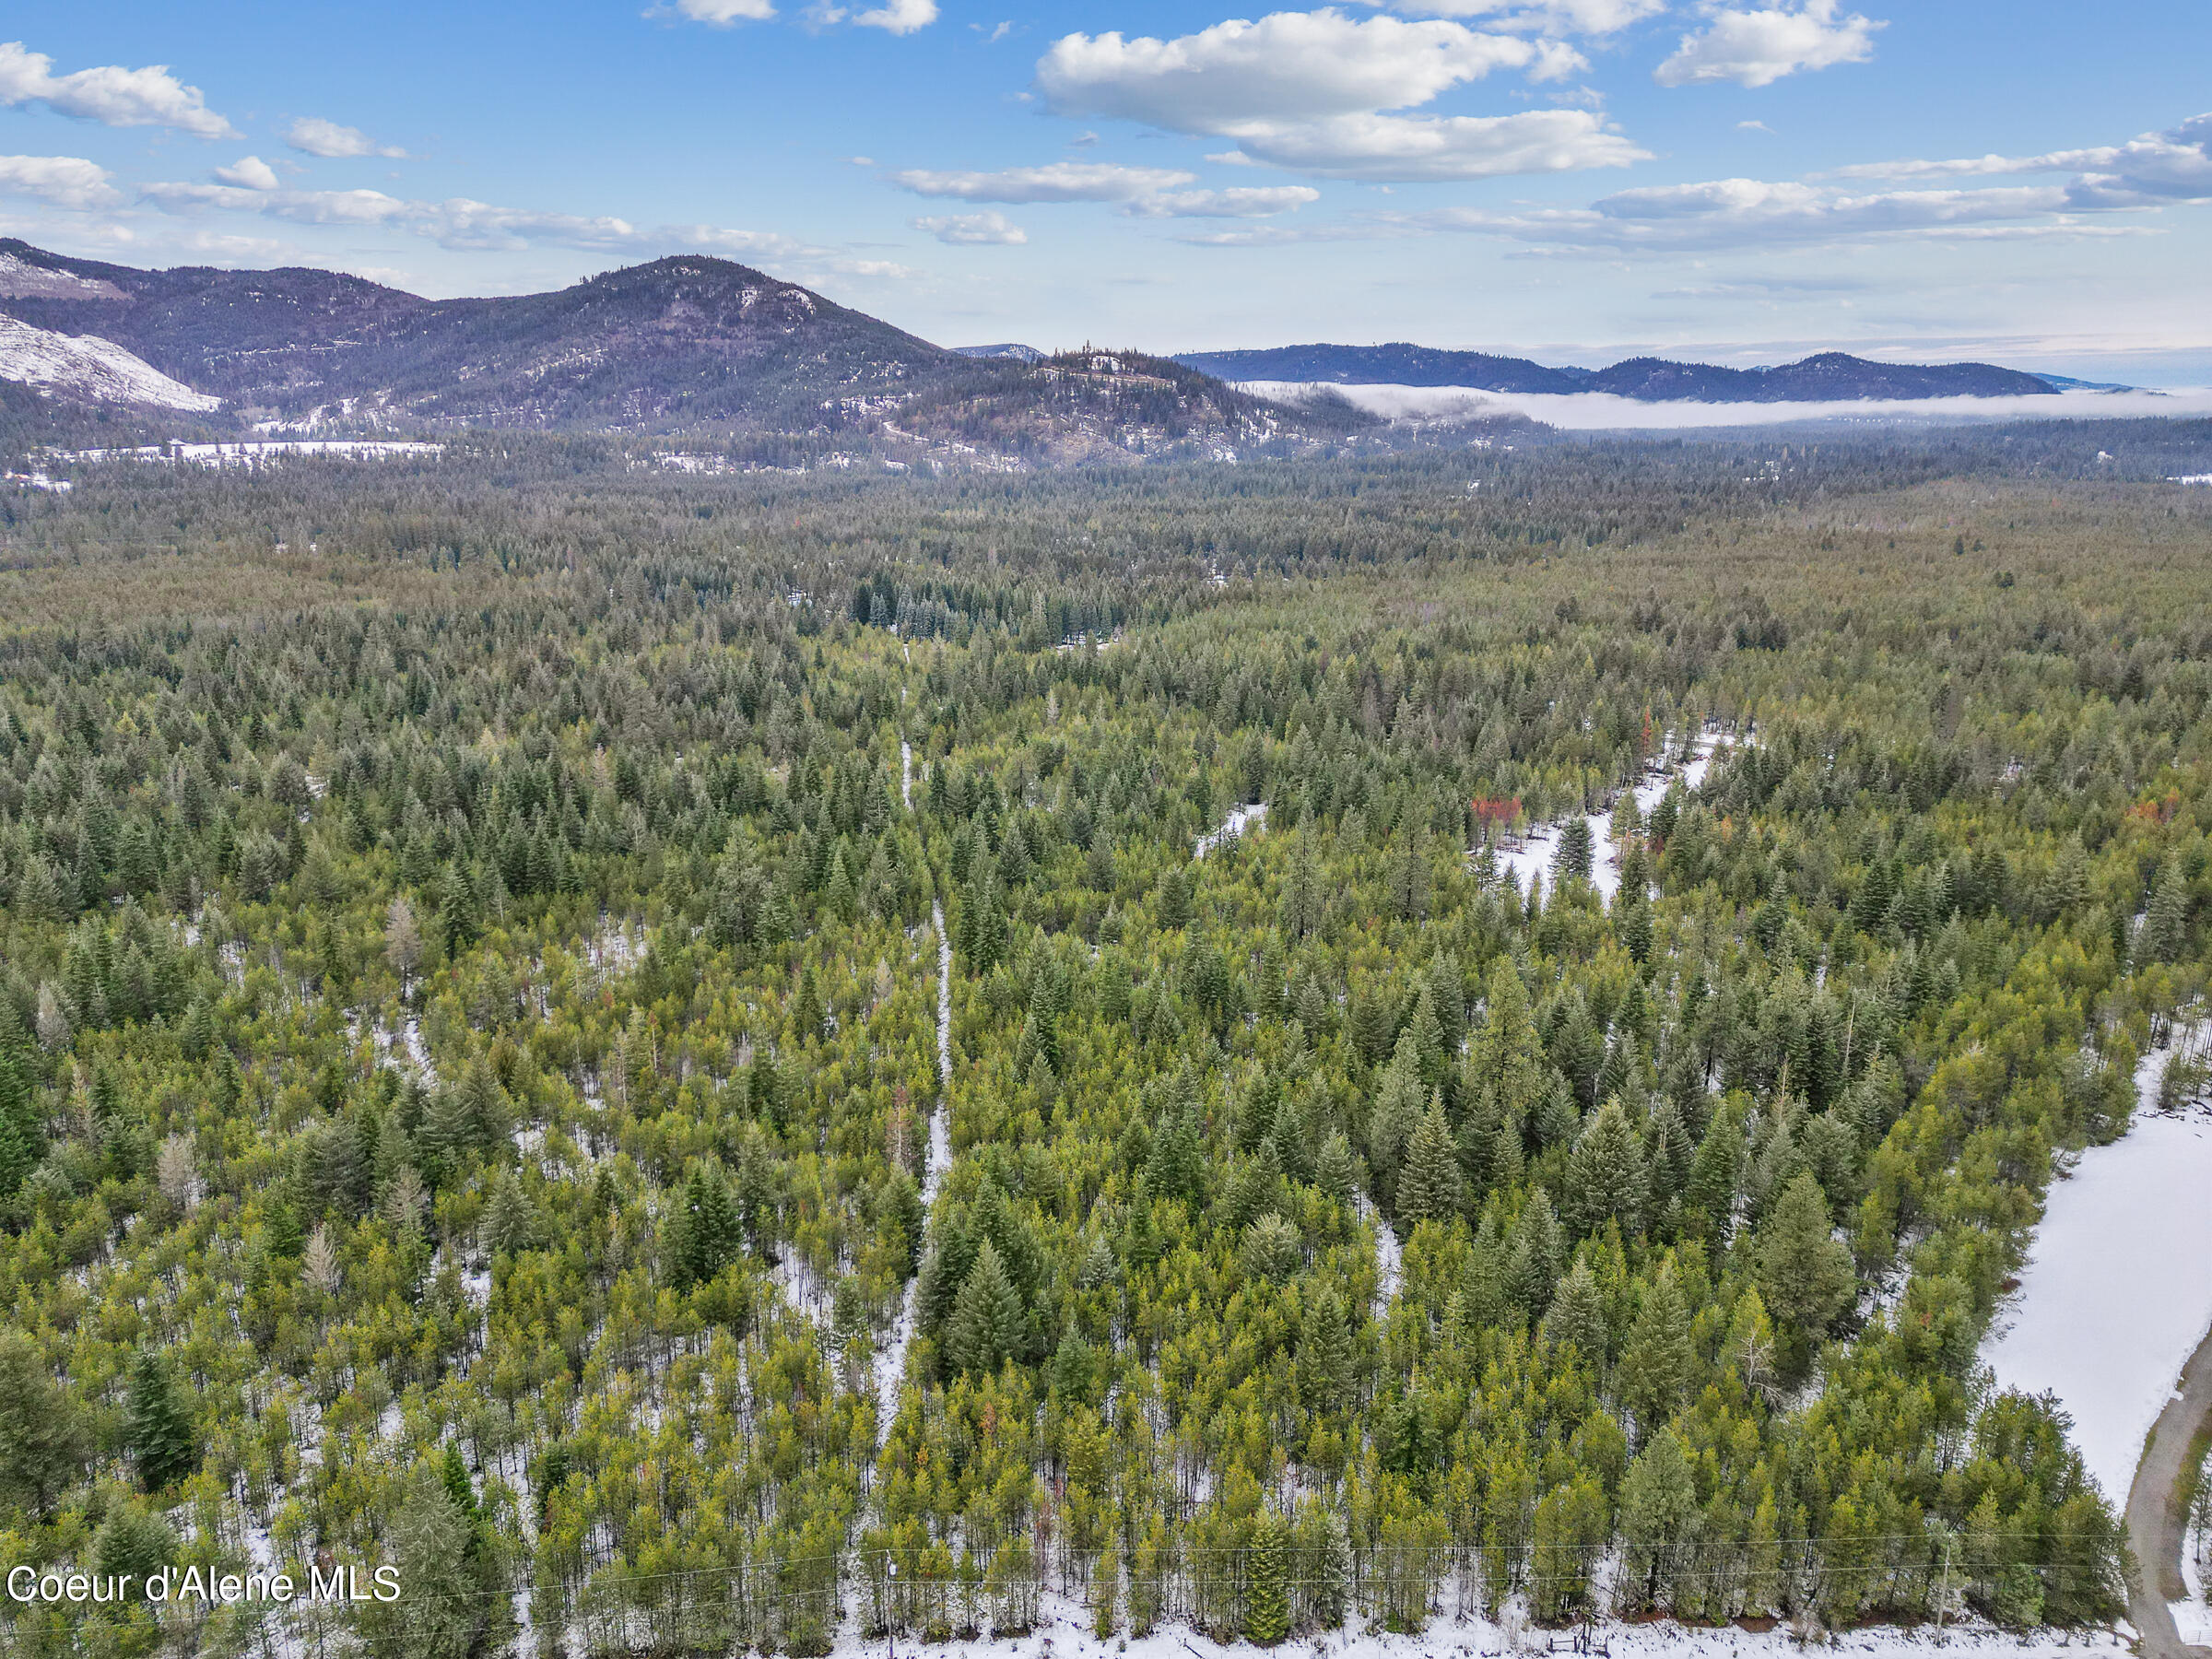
x: 133, y: 1544
x: 1335, y: 1170
x: 987, y: 1323
x: 1658, y: 1501
x: 438, y: 1612
x: 1508, y: 1064
x: 1655, y: 1363
x: 511, y: 1219
x: 41, y: 1438
x: 1177, y: 1168
x: 1710, y: 1196
x: 1605, y: 1177
x: 162, y: 1440
x: 1578, y: 1314
x: 2166, y: 919
x: 1429, y: 1185
x: 1333, y: 1572
x: 1324, y: 1352
x: 1804, y: 1272
x: 1266, y: 1583
x: 1575, y: 850
x: 483, y: 1104
x: 19, y: 1137
x: 1532, y: 1254
x: 1301, y: 892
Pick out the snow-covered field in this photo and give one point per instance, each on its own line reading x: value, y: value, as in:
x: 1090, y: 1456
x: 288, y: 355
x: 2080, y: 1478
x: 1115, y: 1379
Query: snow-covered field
x: 1602, y: 411
x: 1063, y: 1632
x: 88, y: 365
x: 2117, y: 1293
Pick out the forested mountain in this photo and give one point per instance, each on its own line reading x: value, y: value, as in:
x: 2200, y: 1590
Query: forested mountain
x: 686, y: 344
x: 647, y: 1047
x: 1829, y: 375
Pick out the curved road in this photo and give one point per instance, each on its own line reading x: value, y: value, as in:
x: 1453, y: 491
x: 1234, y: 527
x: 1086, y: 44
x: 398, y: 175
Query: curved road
x: 2153, y: 1529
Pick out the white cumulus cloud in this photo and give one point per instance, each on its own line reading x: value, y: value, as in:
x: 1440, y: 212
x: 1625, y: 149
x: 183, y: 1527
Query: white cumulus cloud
x: 310, y: 135
x: 988, y: 230
x: 721, y: 13
x: 110, y: 94
x: 249, y: 172
x: 1242, y: 202
x: 1311, y: 92
x: 58, y: 181
x: 1055, y: 182
x: 899, y: 17
x: 1240, y: 77
x: 1757, y: 48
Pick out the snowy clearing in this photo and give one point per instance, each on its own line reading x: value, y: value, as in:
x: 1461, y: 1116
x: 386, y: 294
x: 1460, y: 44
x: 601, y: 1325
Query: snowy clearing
x: 1239, y: 818
x: 1529, y: 858
x: 2117, y: 1291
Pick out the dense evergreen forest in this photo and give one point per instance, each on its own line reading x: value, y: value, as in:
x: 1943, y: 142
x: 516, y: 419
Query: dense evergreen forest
x: 474, y: 935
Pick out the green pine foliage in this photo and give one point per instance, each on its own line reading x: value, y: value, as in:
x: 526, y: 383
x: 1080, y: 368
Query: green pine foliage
x: 469, y: 1002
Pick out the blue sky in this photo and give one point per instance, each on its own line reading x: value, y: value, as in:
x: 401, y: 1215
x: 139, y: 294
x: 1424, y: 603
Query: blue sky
x: 1738, y: 180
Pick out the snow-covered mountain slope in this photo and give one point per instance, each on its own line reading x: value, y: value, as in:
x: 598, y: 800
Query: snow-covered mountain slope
x: 21, y: 279
x: 88, y: 365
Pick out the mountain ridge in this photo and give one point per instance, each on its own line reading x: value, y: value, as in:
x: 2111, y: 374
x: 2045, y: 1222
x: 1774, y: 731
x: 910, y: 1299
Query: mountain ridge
x: 686, y: 344
x: 1823, y: 377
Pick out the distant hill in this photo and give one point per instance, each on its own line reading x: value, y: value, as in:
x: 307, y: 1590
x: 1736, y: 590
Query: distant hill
x: 686, y: 343
x: 680, y: 342
x: 1400, y: 365
x: 1008, y: 348
x: 1830, y: 375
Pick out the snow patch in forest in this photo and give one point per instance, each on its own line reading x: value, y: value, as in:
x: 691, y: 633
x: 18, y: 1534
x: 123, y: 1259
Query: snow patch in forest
x: 1529, y: 858
x: 891, y: 1358
x: 616, y: 948
x: 2117, y: 1293
x: 1239, y: 818
x: 1390, y: 1261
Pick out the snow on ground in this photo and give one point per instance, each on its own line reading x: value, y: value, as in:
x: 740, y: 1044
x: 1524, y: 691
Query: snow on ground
x: 1239, y: 819
x: 891, y: 1358
x: 1529, y: 858
x: 1063, y: 1632
x: 2117, y: 1293
x: 88, y: 365
x: 252, y: 453
x: 1389, y: 1259
x: 2192, y: 1616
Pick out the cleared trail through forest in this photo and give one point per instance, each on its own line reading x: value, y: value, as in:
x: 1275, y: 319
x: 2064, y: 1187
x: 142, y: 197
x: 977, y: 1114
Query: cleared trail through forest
x: 2153, y: 1528
x: 890, y: 1364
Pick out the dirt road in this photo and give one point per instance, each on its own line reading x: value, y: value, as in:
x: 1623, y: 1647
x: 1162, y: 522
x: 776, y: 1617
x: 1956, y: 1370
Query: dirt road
x: 2153, y: 1529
